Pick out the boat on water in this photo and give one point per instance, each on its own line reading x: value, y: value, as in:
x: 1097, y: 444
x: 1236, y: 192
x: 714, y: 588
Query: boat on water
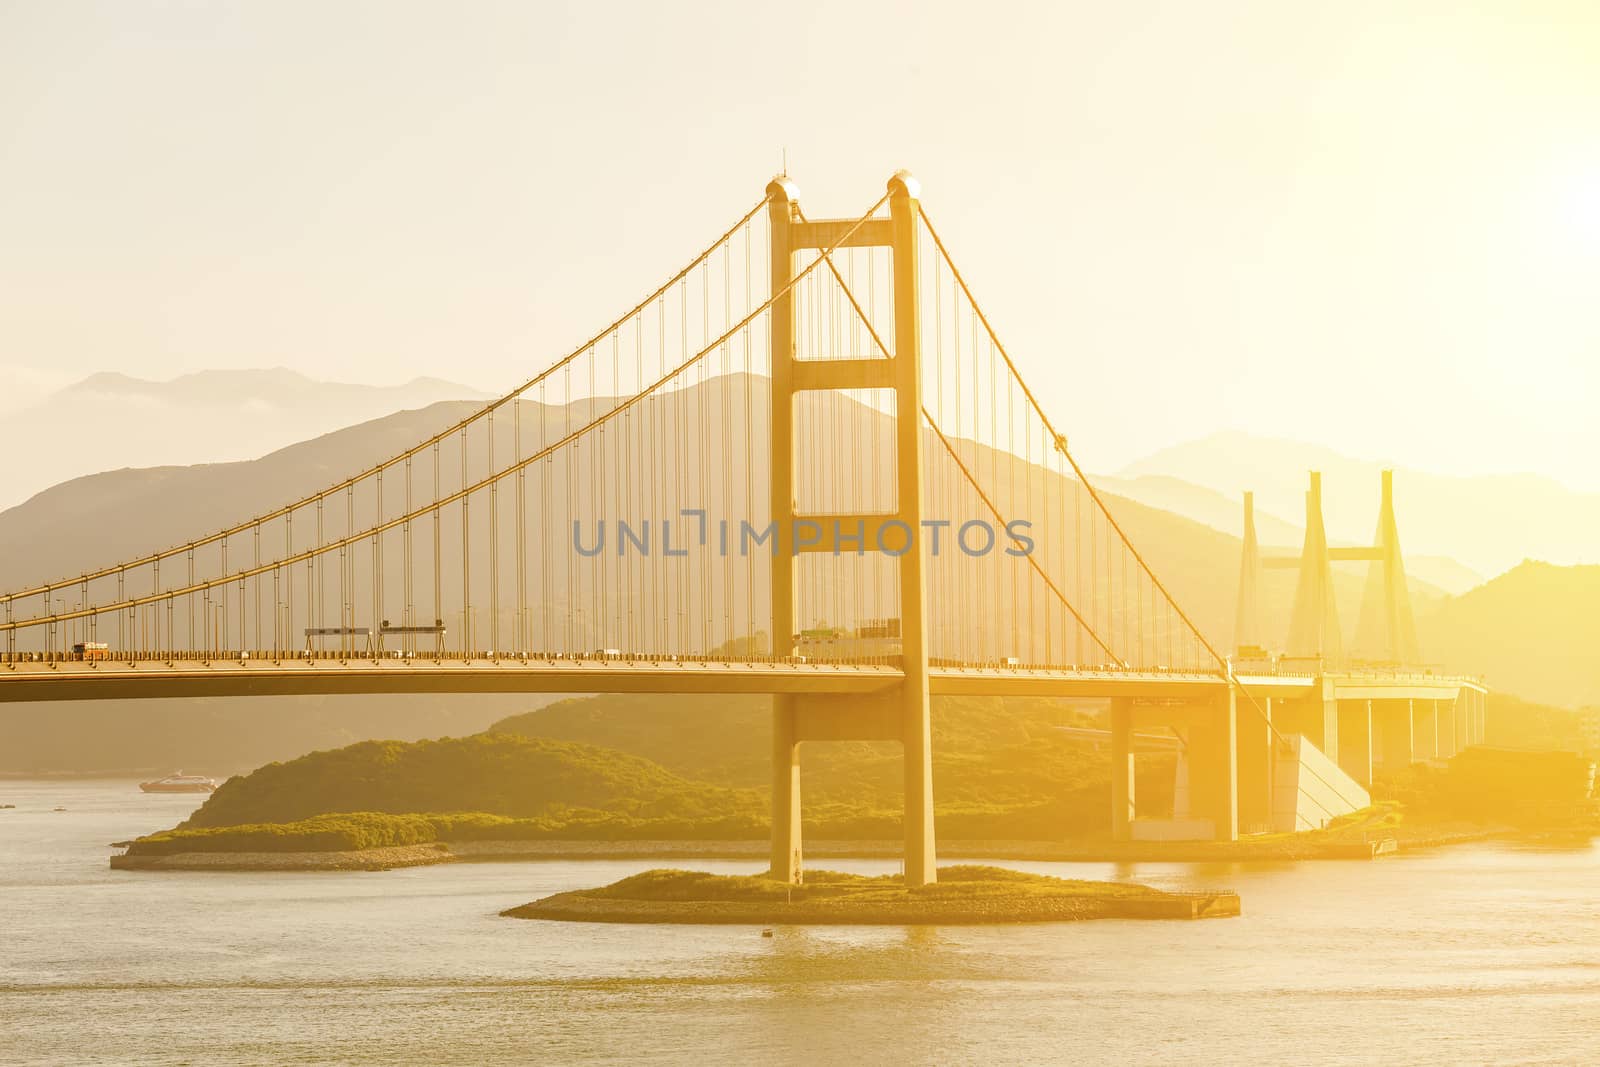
x: 180, y: 783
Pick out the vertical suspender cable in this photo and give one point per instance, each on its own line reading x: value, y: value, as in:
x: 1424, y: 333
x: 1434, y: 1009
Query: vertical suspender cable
x: 494, y: 545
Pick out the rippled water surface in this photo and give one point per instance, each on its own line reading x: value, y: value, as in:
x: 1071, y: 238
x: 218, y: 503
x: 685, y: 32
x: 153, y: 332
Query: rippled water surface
x: 1483, y: 953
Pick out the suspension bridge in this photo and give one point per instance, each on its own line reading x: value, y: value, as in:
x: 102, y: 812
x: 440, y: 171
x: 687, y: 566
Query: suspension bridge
x: 805, y: 465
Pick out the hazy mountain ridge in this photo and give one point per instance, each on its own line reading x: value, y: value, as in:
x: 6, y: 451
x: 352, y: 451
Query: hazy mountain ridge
x: 101, y: 518
x: 104, y: 518
x: 1488, y: 522
x: 1276, y: 535
x: 115, y: 515
x: 221, y: 736
x: 213, y: 416
x: 278, y: 386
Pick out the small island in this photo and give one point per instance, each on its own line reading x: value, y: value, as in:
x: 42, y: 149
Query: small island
x: 963, y: 895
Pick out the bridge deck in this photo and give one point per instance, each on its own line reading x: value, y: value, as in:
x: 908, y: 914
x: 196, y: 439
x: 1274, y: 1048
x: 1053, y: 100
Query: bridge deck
x: 294, y: 676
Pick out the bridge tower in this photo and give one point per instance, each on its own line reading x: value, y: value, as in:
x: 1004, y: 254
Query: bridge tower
x: 1314, y: 624
x: 1247, y: 613
x: 903, y: 717
x: 1386, y: 629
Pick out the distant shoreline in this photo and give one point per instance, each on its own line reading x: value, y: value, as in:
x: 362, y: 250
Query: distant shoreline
x: 382, y: 859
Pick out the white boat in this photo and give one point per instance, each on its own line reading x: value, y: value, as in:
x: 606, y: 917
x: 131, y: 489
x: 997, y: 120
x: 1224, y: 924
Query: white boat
x: 180, y: 783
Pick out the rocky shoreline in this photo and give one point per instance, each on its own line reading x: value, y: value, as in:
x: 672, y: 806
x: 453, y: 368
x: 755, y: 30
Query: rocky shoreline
x: 372, y: 859
x: 381, y: 859
x: 579, y: 906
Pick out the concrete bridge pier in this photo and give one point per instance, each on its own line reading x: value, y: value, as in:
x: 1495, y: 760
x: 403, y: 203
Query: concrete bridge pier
x: 1208, y: 768
x: 1446, y: 729
x: 1394, y: 726
x: 1317, y: 718
x: 1425, y: 729
x: 1324, y: 714
x: 837, y: 717
x: 1214, y: 778
x: 786, y: 860
x: 1124, y: 807
x: 1355, y: 739
x: 1257, y: 763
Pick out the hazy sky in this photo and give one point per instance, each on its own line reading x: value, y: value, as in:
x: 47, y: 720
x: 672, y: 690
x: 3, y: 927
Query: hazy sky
x: 1375, y: 226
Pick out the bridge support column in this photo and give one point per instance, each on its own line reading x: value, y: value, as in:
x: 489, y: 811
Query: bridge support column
x: 1425, y: 729
x: 1326, y: 734
x: 1446, y: 728
x: 1206, y: 789
x: 917, y: 741
x: 1355, y: 739
x: 1394, y: 727
x: 1123, y: 804
x: 1314, y: 718
x: 786, y: 865
x: 1221, y: 742
x: 1182, y: 776
x: 1256, y: 766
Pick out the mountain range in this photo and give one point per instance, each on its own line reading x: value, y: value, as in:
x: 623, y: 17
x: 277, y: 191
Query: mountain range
x: 1525, y: 630
x: 102, y: 518
x: 1277, y: 536
x: 1489, y: 523
x: 110, y: 420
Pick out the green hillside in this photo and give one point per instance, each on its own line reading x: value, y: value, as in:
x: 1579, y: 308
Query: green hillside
x: 996, y: 763
x: 501, y: 774
x: 696, y: 766
x: 1512, y: 723
x: 1534, y: 631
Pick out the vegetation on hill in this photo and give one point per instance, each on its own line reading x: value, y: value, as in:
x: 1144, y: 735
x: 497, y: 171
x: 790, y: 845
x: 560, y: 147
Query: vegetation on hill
x: 1543, y: 790
x: 1509, y: 722
x: 634, y: 767
x: 1002, y: 769
x: 352, y: 831
x: 500, y: 774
